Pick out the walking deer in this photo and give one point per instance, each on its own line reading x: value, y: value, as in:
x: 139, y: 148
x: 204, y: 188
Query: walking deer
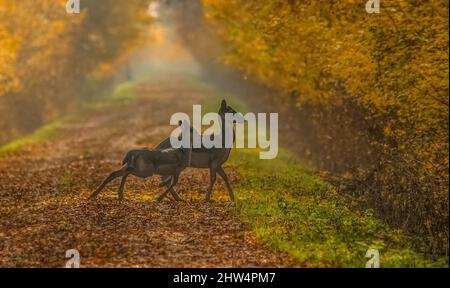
x: 211, y: 158
x: 145, y: 163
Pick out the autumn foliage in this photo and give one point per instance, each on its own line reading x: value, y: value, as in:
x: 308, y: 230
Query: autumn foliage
x: 48, y: 56
x: 370, y: 90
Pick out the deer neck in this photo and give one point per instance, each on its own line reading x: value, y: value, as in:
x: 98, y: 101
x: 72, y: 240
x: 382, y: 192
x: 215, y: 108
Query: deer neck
x: 224, y: 127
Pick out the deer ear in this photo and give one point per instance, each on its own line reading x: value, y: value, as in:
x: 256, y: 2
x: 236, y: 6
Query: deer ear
x: 223, y: 104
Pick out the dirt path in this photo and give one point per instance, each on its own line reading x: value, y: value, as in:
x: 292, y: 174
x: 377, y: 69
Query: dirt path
x: 43, y: 189
x: 44, y: 211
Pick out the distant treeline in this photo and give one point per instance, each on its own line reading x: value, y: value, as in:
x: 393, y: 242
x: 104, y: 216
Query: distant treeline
x: 368, y: 95
x: 48, y: 58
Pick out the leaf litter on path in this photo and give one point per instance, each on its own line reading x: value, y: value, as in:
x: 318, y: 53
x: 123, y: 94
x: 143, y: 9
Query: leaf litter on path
x: 44, y: 209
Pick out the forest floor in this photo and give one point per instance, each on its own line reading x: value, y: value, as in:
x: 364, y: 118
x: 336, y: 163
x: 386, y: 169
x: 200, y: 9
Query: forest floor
x: 44, y: 188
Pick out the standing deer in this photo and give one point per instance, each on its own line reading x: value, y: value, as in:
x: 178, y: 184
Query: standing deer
x: 212, y: 158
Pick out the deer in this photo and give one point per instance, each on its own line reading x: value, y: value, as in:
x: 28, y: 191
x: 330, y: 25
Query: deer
x: 207, y: 158
x: 144, y: 163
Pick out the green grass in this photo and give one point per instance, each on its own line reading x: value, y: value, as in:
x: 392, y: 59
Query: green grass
x: 44, y: 133
x: 124, y: 93
x: 296, y: 212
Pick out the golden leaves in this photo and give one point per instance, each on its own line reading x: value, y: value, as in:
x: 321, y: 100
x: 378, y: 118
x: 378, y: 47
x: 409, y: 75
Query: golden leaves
x: 393, y: 66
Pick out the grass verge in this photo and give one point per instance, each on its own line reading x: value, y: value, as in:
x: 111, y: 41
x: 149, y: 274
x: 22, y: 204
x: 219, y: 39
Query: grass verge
x: 298, y: 213
x: 122, y: 94
x: 45, y: 132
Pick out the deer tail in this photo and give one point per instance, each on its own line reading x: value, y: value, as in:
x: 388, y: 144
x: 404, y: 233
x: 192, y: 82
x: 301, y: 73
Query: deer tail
x: 129, y: 160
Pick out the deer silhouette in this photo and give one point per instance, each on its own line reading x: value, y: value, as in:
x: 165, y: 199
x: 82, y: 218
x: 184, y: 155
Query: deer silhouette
x: 145, y: 163
x: 211, y: 158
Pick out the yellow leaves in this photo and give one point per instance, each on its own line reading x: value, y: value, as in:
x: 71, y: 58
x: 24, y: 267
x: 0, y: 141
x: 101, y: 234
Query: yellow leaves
x: 396, y: 59
x: 8, y: 47
x: 212, y: 2
x: 59, y: 26
x: 393, y: 66
x: 21, y: 31
x: 46, y: 55
x: 41, y: 35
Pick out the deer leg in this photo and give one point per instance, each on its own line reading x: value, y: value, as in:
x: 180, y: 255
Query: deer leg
x: 174, y: 182
x: 224, y: 176
x: 122, y: 186
x: 165, y: 181
x: 111, y: 177
x: 175, y: 195
x: 212, y: 172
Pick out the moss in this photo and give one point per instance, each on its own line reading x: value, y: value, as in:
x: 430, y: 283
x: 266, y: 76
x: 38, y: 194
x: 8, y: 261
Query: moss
x: 44, y: 133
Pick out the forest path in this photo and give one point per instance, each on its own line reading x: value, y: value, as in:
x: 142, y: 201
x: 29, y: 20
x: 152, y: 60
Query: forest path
x: 44, y: 209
